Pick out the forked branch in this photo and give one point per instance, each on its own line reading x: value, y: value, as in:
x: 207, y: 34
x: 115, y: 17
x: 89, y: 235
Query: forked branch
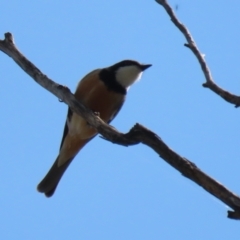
x: 138, y: 134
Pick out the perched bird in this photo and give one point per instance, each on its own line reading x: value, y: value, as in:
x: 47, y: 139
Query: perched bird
x: 103, y: 91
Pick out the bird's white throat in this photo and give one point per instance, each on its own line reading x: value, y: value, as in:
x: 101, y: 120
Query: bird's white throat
x: 127, y: 75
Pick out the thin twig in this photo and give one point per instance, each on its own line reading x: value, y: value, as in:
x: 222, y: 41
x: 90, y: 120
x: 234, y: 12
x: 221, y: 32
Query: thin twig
x: 229, y: 97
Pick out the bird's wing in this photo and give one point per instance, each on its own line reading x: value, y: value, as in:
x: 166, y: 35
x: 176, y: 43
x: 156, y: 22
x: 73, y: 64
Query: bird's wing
x: 82, y: 91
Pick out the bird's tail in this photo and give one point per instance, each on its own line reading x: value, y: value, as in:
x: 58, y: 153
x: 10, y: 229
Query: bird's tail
x: 49, y: 183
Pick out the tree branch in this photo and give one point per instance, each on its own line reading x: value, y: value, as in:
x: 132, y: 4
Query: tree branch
x: 229, y: 97
x: 138, y: 134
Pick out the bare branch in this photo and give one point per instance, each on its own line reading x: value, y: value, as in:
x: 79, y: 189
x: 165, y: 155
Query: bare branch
x: 200, y: 57
x: 138, y: 134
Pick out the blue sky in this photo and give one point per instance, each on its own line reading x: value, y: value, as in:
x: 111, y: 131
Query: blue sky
x: 109, y: 191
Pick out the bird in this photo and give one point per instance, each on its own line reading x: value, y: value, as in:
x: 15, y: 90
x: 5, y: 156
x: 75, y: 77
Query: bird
x: 104, y: 92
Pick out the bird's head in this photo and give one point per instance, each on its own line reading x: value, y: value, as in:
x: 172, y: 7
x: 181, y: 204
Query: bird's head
x: 128, y: 71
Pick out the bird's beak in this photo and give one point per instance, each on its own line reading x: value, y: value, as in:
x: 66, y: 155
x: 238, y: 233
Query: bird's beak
x: 145, y: 66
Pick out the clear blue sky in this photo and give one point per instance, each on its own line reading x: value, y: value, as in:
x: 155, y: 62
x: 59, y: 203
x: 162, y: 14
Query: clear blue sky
x: 112, y: 192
